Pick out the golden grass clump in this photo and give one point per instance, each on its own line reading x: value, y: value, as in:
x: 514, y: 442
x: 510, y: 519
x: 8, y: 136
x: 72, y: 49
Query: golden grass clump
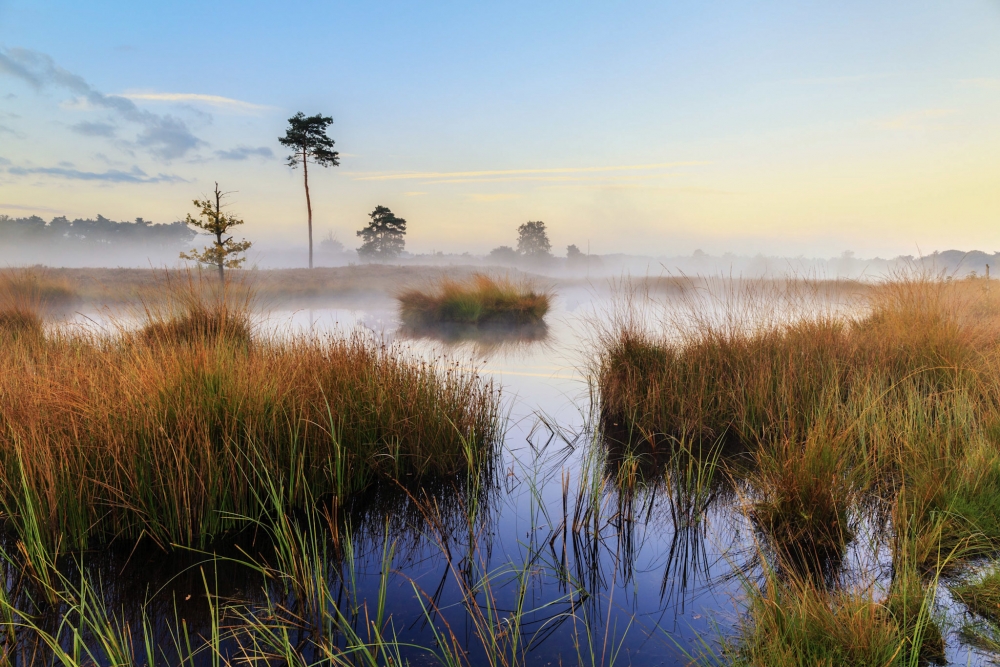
x: 803, y: 501
x: 481, y: 299
x: 981, y: 594
x: 796, y: 622
x: 200, y: 322
x: 26, y: 295
x: 110, y: 436
x: 197, y: 308
x: 780, y: 380
x: 886, y: 413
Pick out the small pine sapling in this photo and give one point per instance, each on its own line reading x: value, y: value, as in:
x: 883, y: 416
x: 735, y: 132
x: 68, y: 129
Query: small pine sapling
x: 223, y: 253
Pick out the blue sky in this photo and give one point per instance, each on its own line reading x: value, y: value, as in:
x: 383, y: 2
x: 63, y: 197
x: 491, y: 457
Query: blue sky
x: 785, y: 127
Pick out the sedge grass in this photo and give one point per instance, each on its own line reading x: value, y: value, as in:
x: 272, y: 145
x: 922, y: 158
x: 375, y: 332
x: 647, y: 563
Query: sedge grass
x: 892, y: 405
x: 795, y: 622
x: 26, y: 296
x: 903, y: 392
x: 195, y: 309
x: 981, y: 594
x: 481, y: 299
x: 804, y: 497
x: 164, y: 436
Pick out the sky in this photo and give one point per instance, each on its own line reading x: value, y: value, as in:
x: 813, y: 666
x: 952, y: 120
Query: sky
x: 783, y: 127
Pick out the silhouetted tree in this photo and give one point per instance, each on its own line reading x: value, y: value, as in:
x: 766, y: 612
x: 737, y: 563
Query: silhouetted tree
x: 504, y: 254
x: 532, y: 241
x: 383, y: 237
x: 573, y: 253
x: 223, y: 253
x: 306, y: 136
x: 331, y: 245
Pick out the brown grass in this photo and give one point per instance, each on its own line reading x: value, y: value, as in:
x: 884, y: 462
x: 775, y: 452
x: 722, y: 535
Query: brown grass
x: 481, y: 299
x: 110, y: 436
x: 26, y: 295
x: 892, y: 410
x: 116, y: 286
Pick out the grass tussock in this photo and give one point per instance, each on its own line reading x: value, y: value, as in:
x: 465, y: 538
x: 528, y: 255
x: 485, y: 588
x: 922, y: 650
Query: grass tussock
x: 794, y: 618
x: 981, y: 594
x: 481, y: 299
x: 888, y: 410
x: 111, y: 437
x: 198, y: 309
x: 781, y: 380
x: 803, y: 500
x: 794, y: 623
x: 26, y: 296
x: 903, y: 392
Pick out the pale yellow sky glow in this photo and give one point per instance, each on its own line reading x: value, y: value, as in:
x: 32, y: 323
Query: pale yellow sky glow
x: 511, y: 172
x: 774, y: 127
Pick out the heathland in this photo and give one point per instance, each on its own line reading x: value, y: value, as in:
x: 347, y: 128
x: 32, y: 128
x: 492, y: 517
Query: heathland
x: 338, y: 498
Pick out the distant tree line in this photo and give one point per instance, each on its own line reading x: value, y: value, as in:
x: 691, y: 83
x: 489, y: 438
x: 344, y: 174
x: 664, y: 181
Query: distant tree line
x: 90, y: 232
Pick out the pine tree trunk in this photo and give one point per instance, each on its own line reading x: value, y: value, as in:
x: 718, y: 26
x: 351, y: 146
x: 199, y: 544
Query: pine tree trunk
x: 218, y: 231
x: 221, y: 264
x: 309, y: 208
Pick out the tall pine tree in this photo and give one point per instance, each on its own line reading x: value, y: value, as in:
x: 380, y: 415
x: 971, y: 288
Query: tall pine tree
x: 306, y: 136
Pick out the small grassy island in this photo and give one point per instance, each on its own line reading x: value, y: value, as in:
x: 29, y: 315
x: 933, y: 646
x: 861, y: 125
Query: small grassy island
x: 479, y: 300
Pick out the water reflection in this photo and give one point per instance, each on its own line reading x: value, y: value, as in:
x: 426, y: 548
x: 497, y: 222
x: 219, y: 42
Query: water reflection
x: 485, y: 340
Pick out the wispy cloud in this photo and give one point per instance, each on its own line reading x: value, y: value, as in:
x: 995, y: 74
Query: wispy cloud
x: 19, y: 207
x: 94, y: 129
x: 135, y: 175
x: 526, y: 174
x: 914, y: 119
x: 414, y: 194
x: 216, y: 101
x: 11, y: 131
x: 244, y: 152
x: 164, y: 136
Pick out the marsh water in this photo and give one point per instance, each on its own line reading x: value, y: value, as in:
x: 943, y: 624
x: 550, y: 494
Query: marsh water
x: 602, y: 573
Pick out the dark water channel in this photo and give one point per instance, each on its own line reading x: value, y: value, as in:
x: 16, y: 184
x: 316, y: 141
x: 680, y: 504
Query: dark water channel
x: 603, y: 576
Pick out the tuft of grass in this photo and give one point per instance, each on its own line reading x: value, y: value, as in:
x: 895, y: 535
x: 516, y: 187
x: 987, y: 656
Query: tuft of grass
x: 981, y: 594
x: 26, y: 295
x: 904, y: 391
x: 481, y: 299
x: 804, y: 495
x: 796, y: 622
x: 200, y: 309
x: 16, y: 323
x: 803, y: 625
x: 917, y: 340
x: 890, y: 409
